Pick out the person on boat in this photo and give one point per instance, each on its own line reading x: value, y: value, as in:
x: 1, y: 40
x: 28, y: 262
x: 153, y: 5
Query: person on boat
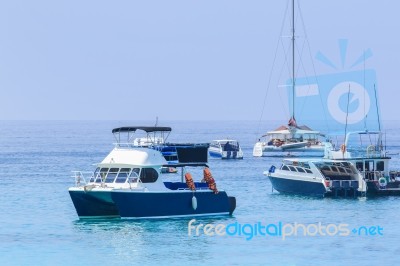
x: 228, y: 146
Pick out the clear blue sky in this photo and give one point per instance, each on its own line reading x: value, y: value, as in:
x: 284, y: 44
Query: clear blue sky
x: 201, y: 60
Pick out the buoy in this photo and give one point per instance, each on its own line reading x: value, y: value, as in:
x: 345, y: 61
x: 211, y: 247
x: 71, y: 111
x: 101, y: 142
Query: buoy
x: 194, y: 203
x: 189, y: 181
x: 207, y: 176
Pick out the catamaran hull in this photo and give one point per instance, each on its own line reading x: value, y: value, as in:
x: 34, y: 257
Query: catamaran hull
x: 93, y: 204
x: 172, y: 204
x: 299, y: 187
x: 261, y: 150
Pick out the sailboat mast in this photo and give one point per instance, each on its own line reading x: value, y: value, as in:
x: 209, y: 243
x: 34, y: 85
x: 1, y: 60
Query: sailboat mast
x: 293, y: 74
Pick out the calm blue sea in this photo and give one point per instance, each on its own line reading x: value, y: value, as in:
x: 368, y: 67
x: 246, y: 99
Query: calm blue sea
x: 39, y: 225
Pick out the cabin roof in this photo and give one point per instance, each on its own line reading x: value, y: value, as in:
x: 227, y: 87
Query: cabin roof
x: 144, y: 128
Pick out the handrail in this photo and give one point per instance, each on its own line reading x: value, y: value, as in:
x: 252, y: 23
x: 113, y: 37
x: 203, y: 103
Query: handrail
x: 79, y: 177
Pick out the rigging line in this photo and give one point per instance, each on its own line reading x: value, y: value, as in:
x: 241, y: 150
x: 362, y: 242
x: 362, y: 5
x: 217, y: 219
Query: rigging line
x: 377, y: 109
x: 272, y: 68
x: 313, y: 67
x: 285, y: 64
x: 301, y: 65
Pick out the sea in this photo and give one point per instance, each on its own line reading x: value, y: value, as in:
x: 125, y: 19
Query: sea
x: 39, y: 225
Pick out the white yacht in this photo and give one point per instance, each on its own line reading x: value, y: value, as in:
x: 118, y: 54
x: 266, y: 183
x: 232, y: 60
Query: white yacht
x: 225, y: 149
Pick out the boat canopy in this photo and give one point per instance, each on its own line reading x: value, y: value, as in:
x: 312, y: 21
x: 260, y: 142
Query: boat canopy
x: 299, y: 130
x: 146, y: 129
x: 287, y: 132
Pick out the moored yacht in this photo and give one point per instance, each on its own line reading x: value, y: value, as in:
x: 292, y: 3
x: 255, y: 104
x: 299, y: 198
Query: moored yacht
x: 291, y: 138
x: 131, y: 174
x: 225, y: 149
x: 366, y: 151
x: 317, y: 177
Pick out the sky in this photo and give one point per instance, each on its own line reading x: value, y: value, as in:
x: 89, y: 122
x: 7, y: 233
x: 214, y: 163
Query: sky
x: 181, y: 60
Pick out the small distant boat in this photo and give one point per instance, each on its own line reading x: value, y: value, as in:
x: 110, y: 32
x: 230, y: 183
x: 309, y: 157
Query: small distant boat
x: 225, y: 149
x: 317, y: 177
x: 127, y: 183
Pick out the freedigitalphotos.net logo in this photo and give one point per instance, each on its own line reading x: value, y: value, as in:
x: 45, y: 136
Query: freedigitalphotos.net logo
x: 281, y: 230
x: 345, y: 96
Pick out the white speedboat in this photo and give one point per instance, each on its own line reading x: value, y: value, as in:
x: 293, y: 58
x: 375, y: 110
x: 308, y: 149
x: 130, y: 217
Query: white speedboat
x: 317, y: 177
x: 225, y: 149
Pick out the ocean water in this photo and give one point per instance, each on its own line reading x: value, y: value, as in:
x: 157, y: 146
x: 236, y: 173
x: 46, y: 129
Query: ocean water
x: 39, y: 225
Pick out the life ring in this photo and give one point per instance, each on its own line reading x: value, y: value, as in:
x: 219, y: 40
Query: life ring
x: 370, y: 149
x: 382, y: 182
x: 343, y: 148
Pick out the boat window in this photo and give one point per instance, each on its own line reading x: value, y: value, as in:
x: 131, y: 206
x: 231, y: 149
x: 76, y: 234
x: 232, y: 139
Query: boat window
x: 101, y: 177
x: 284, y: 167
x: 348, y: 171
x: 169, y: 158
x: 96, y: 172
x: 135, y: 172
x: 111, y: 175
x: 148, y: 175
x: 301, y: 170
x: 380, y: 166
x: 306, y: 165
x: 369, y: 165
x: 325, y: 168
x: 292, y: 168
x: 334, y: 168
x: 360, y: 166
x: 308, y: 171
x: 341, y: 169
x: 122, y: 175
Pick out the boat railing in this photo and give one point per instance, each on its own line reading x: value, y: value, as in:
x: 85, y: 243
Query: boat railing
x: 134, y: 182
x: 372, y: 175
x: 128, y: 145
x: 79, y: 177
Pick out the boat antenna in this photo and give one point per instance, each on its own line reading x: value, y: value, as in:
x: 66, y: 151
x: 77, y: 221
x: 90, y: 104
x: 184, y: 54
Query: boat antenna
x: 379, y: 121
x: 377, y: 109
x: 347, y: 114
x: 365, y: 115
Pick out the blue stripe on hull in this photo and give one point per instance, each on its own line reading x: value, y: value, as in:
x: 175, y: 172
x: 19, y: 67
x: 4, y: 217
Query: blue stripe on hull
x: 215, y: 154
x: 159, y: 204
x: 300, y: 187
x: 93, y: 204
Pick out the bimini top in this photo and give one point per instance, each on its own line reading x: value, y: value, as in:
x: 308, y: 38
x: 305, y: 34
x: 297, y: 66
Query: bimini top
x: 146, y: 129
x: 138, y: 157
